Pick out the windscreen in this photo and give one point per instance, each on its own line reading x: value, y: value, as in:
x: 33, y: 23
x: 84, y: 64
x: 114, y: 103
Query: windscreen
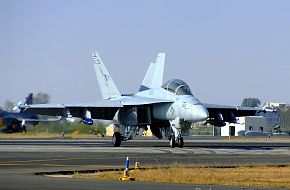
x: 177, y: 87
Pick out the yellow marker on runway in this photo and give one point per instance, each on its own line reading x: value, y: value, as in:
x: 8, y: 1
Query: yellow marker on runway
x: 126, y: 175
x: 137, y: 166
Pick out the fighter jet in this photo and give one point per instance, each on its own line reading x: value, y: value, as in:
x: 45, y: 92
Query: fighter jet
x: 162, y: 106
x: 16, y: 121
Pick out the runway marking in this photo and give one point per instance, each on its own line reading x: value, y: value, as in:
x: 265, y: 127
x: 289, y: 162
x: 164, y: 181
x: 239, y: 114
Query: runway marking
x: 28, y: 161
x: 51, y: 165
x: 55, y: 165
x: 11, y: 164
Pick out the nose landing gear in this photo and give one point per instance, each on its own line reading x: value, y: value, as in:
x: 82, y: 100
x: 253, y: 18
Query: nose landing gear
x: 176, y: 139
x: 172, y: 141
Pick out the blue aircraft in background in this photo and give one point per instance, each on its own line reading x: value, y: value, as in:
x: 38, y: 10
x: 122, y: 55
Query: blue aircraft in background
x: 16, y: 121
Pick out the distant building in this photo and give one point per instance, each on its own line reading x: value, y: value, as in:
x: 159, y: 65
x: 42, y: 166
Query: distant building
x: 249, y: 123
x: 274, y: 117
x: 273, y: 105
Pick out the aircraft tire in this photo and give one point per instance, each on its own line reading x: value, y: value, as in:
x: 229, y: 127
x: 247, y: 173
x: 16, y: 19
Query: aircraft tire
x: 116, y: 139
x: 172, y: 141
x: 181, y: 143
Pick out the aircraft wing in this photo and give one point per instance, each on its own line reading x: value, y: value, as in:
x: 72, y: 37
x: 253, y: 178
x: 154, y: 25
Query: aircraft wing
x: 104, y: 109
x: 228, y: 113
x: 238, y: 110
x: 29, y: 117
x: 141, y: 101
x: 40, y: 120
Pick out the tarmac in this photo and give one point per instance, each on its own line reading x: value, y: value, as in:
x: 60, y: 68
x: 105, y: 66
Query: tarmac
x: 21, y: 159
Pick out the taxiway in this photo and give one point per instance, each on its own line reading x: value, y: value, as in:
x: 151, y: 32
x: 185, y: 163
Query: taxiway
x: 21, y: 159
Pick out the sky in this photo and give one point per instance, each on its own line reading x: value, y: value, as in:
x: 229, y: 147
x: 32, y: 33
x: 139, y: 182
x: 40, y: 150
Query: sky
x: 225, y: 50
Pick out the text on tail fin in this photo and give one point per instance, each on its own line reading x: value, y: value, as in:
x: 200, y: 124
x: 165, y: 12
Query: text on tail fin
x: 106, y: 84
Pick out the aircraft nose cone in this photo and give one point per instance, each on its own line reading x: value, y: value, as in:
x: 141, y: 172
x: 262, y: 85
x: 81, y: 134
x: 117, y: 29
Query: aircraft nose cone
x: 203, y: 113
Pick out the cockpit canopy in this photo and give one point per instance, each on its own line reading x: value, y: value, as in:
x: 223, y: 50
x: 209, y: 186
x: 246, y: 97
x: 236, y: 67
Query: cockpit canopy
x: 177, y: 87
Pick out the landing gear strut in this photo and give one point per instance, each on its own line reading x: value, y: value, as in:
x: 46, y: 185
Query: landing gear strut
x: 176, y: 139
x: 172, y: 141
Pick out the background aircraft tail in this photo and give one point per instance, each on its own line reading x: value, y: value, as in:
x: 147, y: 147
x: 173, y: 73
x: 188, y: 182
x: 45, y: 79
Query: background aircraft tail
x: 154, y: 75
x: 29, y: 99
x: 106, y: 84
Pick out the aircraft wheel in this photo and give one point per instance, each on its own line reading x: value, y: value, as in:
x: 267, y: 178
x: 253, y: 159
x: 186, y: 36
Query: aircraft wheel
x: 116, y: 139
x: 181, y: 143
x: 172, y: 141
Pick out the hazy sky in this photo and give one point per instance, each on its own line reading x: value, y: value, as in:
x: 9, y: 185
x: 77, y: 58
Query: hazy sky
x: 224, y: 50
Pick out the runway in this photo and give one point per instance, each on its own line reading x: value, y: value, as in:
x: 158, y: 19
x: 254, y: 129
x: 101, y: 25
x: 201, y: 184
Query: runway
x: 21, y: 159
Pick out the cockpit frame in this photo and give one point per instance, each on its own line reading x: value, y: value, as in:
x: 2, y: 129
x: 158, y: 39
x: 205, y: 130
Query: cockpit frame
x: 177, y: 86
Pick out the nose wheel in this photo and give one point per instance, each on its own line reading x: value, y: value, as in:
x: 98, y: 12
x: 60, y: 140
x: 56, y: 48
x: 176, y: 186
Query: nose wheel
x: 176, y: 141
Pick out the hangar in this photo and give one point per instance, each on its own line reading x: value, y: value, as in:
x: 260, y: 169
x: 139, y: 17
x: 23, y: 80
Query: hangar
x: 249, y: 123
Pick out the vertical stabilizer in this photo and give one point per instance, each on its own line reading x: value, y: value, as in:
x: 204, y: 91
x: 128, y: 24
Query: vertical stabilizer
x: 154, y: 75
x: 29, y: 99
x: 106, y: 84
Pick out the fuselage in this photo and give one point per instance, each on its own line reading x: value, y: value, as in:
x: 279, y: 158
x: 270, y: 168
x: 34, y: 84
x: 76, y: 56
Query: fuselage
x: 185, y: 107
x: 181, y: 103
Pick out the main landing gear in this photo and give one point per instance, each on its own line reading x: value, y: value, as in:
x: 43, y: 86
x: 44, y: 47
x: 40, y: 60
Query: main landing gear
x: 124, y: 133
x: 116, y: 139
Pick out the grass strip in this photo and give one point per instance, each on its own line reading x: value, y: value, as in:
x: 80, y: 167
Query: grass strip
x: 263, y: 176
